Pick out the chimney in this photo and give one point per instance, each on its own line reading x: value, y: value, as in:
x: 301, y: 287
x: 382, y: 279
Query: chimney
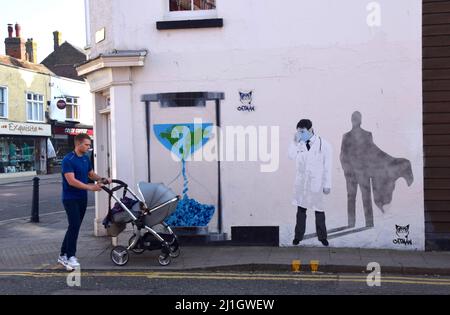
x: 15, y: 46
x: 57, y: 39
x: 31, y: 50
x: 10, y: 30
x: 18, y: 28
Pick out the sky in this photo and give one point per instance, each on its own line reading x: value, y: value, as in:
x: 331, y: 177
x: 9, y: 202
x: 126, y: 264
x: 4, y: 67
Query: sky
x: 40, y: 18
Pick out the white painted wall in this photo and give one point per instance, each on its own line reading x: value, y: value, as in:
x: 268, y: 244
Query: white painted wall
x: 303, y: 59
x: 101, y: 16
x: 63, y: 86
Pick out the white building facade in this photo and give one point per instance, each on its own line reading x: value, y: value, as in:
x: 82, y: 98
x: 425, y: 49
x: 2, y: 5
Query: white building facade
x: 72, y: 92
x: 71, y: 112
x: 255, y: 68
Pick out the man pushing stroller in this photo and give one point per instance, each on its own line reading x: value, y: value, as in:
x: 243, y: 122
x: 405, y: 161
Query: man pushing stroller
x: 76, y: 171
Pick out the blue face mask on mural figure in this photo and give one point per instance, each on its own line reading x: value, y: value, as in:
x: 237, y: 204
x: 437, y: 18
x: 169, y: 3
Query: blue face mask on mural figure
x: 303, y: 135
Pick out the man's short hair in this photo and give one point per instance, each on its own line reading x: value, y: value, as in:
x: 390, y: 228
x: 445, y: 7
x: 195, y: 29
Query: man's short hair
x: 81, y: 137
x: 304, y: 123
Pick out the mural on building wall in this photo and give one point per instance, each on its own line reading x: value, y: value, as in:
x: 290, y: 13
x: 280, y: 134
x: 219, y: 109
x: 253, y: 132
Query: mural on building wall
x: 313, y: 157
x: 367, y: 166
x: 364, y: 164
x: 184, y: 140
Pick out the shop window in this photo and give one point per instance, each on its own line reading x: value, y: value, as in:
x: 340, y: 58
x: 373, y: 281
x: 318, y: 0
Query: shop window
x: 17, y: 154
x: 3, y: 102
x: 35, y: 107
x: 72, y: 108
x: 192, y: 5
x: 63, y: 147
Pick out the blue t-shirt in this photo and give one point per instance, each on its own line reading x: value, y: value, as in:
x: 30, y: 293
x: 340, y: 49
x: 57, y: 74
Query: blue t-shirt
x: 80, y: 166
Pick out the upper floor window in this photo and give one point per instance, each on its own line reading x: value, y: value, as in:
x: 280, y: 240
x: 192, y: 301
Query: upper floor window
x: 3, y: 102
x: 35, y: 107
x: 192, y: 5
x: 72, y: 108
x: 190, y: 14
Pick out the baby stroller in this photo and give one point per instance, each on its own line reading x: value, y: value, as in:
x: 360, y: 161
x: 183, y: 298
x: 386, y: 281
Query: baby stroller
x: 158, y: 203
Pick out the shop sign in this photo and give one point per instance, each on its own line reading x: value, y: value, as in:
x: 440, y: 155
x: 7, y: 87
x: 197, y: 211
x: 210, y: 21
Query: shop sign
x: 73, y: 131
x: 77, y: 131
x: 25, y: 129
x: 61, y: 104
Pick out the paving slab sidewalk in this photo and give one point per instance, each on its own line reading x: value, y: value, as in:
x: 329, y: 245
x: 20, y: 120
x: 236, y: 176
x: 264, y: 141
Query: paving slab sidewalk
x: 28, y: 246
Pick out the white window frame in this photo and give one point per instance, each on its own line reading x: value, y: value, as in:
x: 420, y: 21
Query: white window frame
x: 75, y: 103
x: 33, y: 103
x: 5, y: 88
x: 192, y: 14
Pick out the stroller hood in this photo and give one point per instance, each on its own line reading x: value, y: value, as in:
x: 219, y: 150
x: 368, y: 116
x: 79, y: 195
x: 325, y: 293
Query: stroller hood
x: 154, y: 196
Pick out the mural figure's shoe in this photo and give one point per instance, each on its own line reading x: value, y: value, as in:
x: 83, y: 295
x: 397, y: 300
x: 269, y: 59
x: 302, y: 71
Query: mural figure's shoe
x: 296, y: 241
x: 324, y: 242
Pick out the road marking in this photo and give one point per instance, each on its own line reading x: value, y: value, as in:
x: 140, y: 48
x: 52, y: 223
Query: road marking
x: 304, y: 275
x: 233, y: 277
x: 41, y: 215
x: 331, y: 279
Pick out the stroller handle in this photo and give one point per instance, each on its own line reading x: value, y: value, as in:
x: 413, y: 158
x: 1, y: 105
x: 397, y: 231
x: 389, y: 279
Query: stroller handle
x: 116, y: 181
x: 120, y: 183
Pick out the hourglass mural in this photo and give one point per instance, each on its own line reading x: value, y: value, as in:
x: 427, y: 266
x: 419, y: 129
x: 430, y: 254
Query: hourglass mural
x: 180, y: 129
x: 183, y: 140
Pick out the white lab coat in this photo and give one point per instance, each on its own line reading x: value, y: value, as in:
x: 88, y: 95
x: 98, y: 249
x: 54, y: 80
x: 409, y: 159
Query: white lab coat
x: 313, y: 172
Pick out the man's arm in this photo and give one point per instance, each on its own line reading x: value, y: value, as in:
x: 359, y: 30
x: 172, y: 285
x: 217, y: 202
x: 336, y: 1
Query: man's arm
x: 95, y: 177
x: 70, y: 177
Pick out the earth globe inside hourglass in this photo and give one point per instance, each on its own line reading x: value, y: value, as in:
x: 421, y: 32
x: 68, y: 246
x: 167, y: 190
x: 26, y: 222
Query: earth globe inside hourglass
x: 184, y: 140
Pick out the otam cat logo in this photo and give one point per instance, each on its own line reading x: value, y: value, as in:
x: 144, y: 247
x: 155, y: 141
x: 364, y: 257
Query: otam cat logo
x: 246, y: 100
x: 403, y: 235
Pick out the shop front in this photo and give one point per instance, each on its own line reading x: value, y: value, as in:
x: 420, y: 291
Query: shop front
x: 63, y: 137
x: 23, y: 149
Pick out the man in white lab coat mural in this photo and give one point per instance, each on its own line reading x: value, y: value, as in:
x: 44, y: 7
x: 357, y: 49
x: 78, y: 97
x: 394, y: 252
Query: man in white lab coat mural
x: 312, y: 155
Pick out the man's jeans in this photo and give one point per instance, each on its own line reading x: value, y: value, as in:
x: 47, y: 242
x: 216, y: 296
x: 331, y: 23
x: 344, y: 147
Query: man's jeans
x: 75, y: 210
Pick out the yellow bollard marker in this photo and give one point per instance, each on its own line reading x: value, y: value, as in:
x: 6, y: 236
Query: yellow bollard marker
x: 296, y: 264
x: 314, y: 265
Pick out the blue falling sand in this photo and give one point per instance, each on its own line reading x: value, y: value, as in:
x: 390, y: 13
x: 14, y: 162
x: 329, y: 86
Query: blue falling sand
x: 191, y: 213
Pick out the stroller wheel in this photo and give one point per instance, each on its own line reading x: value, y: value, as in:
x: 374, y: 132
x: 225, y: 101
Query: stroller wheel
x: 164, y: 259
x: 120, y: 256
x: 136, y: 249
x: 174, y: 248
x: 174, y: 253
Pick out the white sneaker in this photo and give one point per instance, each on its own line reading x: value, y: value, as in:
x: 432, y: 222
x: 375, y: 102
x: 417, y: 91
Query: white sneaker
x: 63, y: 260
x: 72, y: 263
